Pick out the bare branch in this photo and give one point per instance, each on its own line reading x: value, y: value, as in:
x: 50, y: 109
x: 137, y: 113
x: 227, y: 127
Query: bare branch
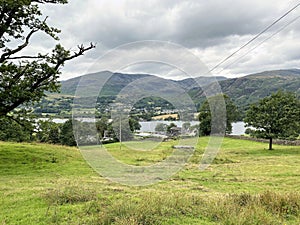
x: 48, y: 1
x: 81, y: 51
x: 19, y: 48
x: 27, y: 57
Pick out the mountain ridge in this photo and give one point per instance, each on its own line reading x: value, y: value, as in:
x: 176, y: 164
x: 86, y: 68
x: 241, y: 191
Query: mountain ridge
x: 249, y: 89
x: 243, y: 90
x: 118, y: 81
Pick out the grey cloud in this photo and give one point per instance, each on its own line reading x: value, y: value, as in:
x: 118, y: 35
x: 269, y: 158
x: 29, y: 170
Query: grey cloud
x: 214, y: 29
x: 192, y: 23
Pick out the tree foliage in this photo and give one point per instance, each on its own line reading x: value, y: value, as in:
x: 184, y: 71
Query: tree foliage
x: 276, y: 116
x: 40, y: 131
x: 25, y: 78
x: 48, y: 132
x: 11, y: 130
x: 171, y: 131
x: 205, y: 114
x: 161, y: 127
x: 134, y: 124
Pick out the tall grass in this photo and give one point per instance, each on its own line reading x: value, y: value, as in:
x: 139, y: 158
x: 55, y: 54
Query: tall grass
x: 268, y: 208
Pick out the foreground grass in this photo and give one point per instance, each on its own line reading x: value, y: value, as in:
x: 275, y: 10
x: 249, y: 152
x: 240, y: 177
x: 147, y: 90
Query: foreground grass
x: 247, y: 184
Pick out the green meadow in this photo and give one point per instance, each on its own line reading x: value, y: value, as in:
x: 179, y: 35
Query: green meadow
x: 246, y: 184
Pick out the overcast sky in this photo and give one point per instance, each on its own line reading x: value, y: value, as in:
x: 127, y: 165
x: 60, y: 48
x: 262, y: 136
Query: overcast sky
x: 211, y: 30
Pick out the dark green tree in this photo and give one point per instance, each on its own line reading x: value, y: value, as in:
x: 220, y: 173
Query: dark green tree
x: 25, y: 78
x: 205, y: 114
x: 11, y: 130
x: 102, y: 126
x: 171, y: 131
x: 134, y: 124
x: 276, y: 116
x: 66, y: 135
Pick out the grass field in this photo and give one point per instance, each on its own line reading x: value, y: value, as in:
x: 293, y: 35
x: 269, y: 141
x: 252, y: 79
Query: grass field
x: 163, y: 117
x: 246, y: 184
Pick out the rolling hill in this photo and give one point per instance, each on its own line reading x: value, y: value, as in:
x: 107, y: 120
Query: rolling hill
x: 249, y: 89
x: 244, y: 90
x: 118, y: 81
x: 114, y: 85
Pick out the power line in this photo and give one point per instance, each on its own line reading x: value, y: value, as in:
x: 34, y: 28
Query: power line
x: 254, y: 38
x: 268, y: 38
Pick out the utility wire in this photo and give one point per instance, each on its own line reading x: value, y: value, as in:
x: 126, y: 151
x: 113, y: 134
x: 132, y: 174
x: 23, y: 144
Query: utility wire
x: 253, y: 39
x: 268, y: 38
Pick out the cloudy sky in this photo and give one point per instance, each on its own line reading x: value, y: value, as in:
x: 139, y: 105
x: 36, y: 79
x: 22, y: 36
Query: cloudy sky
x: 210, y: 30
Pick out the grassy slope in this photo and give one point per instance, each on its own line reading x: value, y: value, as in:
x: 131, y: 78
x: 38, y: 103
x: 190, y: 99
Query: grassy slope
x: 247, y: 184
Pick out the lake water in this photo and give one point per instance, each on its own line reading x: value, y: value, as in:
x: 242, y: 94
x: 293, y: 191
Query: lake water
x: 149, y: 126
x: 58, y: 120
x: 238, y: 128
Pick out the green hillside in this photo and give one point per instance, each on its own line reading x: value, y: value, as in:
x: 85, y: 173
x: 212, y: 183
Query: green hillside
x: 249, y: 89
x: 113, y: 86
x: 120, y: 80
x: 244, y: 90
x: 246, y: 184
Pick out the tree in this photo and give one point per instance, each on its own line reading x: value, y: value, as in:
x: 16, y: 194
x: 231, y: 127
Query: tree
x: 102, y: 126
x: 12, y: 131
x: 25, y: 78
x: 205, y: 114
x: 171, y: 130
x: 66, y: 135
x: 276, y: 116
x: 161, y: 127
x: 134, y: 124
x: 48, y: 131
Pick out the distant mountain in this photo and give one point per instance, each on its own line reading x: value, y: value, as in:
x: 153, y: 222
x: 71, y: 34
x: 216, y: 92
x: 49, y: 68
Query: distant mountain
x: 277, y: 73
x: 243, y: 90
x: 249, y: 89
x: 113, y: 86
x: 119, y: 80
x: 190, y: 83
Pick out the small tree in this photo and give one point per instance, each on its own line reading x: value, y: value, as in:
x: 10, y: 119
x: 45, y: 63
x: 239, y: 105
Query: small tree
x: 170, y: 130
x: 205, y: 114
x: 102, y: 126
x: 161, y: 127
x: 66, y: 135
x: 134, y: 124
x: 276, y: 116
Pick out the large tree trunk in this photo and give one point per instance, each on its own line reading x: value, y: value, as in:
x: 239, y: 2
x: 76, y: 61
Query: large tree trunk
x: 270, y: 144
